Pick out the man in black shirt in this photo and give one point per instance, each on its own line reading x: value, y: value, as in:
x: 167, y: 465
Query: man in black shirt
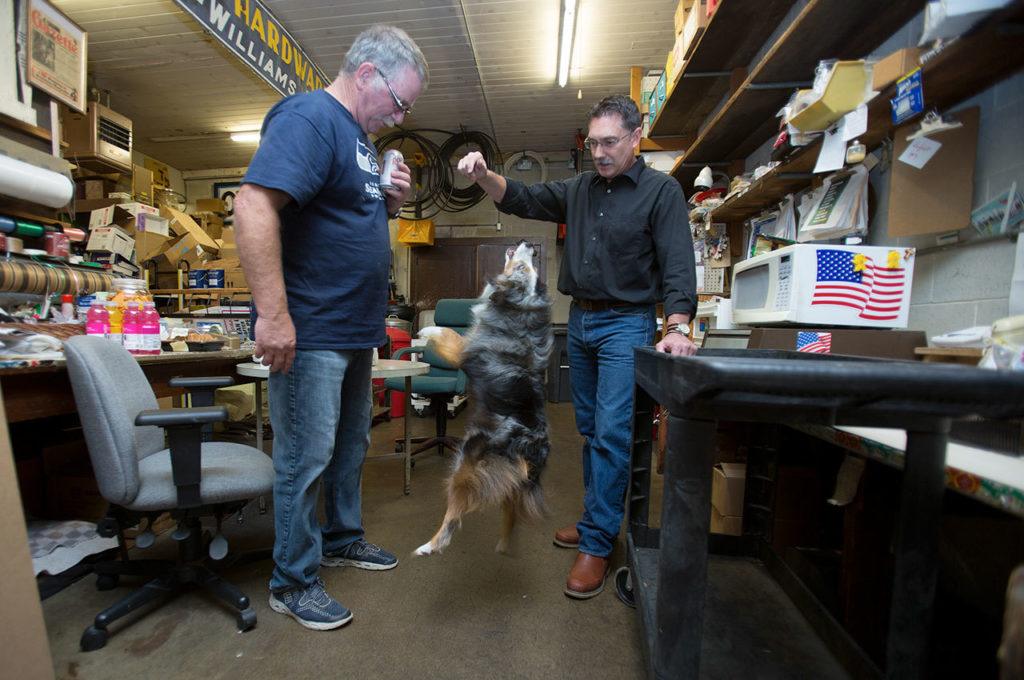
x: 627, y: 247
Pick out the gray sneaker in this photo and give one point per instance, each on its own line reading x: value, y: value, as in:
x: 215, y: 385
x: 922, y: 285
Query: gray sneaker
x: 312, y: 607
x: 361, y: 554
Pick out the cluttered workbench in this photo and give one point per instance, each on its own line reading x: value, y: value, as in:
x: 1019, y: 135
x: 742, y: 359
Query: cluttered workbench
x: 669, y: 566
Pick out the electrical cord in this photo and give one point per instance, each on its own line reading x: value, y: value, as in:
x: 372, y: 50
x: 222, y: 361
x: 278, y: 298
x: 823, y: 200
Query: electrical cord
x: 437, y: 191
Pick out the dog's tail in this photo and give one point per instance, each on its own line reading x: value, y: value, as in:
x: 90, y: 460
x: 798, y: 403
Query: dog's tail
x: 446, y: 343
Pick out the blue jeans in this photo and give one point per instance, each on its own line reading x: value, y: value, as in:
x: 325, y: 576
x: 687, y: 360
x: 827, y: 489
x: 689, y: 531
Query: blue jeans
x: 321, y: 411
x: 600, y: 346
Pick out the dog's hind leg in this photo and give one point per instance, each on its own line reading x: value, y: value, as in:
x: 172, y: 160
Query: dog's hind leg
x: 508, y: 523
x: 461, y: 492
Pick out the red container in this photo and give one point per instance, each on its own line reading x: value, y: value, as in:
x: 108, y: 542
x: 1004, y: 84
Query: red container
x: 57, y: 244
x: 399, y: 340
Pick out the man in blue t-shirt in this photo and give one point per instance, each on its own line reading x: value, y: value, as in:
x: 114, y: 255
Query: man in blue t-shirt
x: 312, y: 231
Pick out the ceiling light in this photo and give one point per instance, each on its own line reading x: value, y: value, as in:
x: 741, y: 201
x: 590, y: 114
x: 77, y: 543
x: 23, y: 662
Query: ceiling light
x: 247, y: 136
x: 566, y: 34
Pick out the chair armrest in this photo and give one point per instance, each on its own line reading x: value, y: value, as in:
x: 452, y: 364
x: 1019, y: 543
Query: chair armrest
x: 192, y: 383
x: 182, y: 417
x: 407, y: 350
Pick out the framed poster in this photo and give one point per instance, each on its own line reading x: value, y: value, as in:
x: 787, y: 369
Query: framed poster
x: 56, y: 55
x: 226, y: 191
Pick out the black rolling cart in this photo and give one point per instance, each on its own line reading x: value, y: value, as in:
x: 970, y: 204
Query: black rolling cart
x: 667, y: 573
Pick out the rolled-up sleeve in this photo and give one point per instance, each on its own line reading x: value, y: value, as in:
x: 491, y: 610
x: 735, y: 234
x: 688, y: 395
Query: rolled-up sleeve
x: 542, y: 201
x: 674, y: 246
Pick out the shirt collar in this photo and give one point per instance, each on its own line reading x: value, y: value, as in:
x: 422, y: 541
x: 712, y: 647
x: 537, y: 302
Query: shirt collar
x: 633, y: 173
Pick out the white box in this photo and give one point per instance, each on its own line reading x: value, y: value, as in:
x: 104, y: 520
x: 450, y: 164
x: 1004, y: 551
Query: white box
x: 153, y: 223
x: 111, y: 240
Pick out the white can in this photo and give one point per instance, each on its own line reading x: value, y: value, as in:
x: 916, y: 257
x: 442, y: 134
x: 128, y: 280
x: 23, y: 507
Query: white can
x: 392, y: 157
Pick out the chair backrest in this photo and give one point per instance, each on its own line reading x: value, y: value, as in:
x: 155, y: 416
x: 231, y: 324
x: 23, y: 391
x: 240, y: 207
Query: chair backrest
x: 110, y: 391
x: 456, y: 314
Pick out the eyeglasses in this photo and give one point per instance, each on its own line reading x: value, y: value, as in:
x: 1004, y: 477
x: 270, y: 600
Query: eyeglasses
x: 607, y: 142
x: 402, y: 106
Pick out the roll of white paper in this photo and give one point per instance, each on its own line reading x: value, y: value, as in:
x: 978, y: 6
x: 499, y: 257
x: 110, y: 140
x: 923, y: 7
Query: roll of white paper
x: 28, y: 182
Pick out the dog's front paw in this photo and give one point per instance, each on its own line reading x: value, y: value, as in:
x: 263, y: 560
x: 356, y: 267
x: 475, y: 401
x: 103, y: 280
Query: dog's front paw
x: 430, y: 332
x: 426, y: 548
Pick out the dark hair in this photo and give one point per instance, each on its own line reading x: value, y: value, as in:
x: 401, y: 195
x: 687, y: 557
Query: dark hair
x: 620, y: 105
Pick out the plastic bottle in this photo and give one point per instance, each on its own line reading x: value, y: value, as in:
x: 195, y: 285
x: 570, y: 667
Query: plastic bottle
x: 67, y: 308
x: 131, y: 325
x: 150, y: 329
x: 97, y: 320
x: 115, y: 316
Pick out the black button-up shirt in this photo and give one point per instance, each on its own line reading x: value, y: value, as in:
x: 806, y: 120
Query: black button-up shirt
x: 627, y: 239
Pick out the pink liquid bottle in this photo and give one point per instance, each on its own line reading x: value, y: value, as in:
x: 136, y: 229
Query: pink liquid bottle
x: 150, y: 329
x: 132, y: 328
x: 97, y: 321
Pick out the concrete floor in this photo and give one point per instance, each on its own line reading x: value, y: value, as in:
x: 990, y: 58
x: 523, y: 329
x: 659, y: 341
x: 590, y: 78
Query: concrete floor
x: 469, y: 613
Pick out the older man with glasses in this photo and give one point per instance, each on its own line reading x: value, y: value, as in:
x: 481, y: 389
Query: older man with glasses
x: 627, y: 247
x: 312, y: 231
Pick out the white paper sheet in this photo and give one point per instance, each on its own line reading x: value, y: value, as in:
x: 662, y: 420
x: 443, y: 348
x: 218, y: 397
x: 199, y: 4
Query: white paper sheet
x: 920, y: 152
x: 833, y: 151
x: 855, y: 123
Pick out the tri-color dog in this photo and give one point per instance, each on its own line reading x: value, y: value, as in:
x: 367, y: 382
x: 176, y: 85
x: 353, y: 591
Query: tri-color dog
x: 504, y: 355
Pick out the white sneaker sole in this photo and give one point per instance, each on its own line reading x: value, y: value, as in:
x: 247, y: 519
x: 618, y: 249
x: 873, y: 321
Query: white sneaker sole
x: 345, y: 562
x: 282, y: 608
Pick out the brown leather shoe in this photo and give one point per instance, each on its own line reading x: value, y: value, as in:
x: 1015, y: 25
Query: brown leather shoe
x: 567, y: 537
x: 586, y: 578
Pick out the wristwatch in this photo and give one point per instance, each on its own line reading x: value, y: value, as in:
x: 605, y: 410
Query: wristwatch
x: 682, y: 328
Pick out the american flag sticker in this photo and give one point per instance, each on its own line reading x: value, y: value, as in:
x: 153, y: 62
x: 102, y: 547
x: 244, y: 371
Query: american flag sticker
x: 815, y: 343
x: 850, y: 279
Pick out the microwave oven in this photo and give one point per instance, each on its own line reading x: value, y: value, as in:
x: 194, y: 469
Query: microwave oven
x: 824, y: 285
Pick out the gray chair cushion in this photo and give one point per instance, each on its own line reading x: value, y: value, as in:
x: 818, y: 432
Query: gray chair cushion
x: 230, y: 472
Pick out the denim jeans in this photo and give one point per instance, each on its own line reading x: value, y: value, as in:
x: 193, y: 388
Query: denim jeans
x: 320, y: 411
x: 600, y: 347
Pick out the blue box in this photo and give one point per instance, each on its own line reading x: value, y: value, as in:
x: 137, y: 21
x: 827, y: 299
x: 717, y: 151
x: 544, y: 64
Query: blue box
x: 909, y: 99
x: 214, y: 278
x: 197, y: 278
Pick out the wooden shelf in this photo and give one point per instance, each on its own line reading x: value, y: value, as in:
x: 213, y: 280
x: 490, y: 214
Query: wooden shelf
x: 964, y: 68
x: 824, y: 29
x: 200, y: 291
x: 730, y: 40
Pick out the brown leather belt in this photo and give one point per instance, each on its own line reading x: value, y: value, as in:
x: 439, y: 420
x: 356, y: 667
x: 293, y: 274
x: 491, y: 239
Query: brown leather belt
x: 600, y: 305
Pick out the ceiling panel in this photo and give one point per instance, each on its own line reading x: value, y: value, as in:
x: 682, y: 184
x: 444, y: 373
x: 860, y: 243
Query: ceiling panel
x: 492, y: 66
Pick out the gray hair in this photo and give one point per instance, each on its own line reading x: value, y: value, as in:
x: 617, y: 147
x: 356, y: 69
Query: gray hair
x: 620, y: 105
x: 388, y: 48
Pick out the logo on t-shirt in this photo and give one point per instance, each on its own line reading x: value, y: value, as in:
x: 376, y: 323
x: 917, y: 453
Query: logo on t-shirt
x: 366, y: 158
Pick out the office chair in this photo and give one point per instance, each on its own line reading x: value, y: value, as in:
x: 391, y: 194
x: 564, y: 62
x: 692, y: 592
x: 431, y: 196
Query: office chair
x: 444, y: 380
x: 141, y: 477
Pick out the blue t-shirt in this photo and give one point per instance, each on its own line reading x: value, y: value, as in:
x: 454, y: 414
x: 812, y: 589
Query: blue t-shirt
x: 335, y: 246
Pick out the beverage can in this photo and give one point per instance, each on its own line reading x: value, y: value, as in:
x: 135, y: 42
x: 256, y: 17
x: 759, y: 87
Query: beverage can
x: 392, y: 157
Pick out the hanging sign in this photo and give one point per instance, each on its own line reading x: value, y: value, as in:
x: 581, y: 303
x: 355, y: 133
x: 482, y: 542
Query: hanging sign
x: 254, y: 35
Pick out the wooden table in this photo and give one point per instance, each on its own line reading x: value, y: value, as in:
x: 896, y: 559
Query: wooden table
x: 383, y: 368
x: 45, y: 391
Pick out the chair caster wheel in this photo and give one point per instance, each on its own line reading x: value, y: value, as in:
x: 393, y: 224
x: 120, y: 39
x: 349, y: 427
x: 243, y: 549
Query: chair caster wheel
x: 624, y: 587
x: 93, y: 638
x: 400, y: 447
x: 246, y: 619
x: 107, y: 581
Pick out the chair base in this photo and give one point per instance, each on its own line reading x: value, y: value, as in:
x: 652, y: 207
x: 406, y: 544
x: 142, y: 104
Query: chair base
x: 427, y: 443
x: 170, y: 579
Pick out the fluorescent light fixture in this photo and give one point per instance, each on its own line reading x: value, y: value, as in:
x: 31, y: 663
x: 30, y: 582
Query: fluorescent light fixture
x: 566, y: 34
x: 248, y: 136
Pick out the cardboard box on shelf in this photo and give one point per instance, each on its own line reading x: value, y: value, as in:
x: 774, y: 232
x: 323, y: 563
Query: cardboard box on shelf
x: 182, y: 224
x: 722, y: 524
x: 227, y: 235
x: 122, y: 214
x: 142, y: 183
x: 682, y: 9
x: 89, y: 205
x: 696, y: 22
x: 117, y: 264
x: 92, y: 189
x: 211, y: 223
x: 149, y: 244
x: 110, y: 240
x: 185, y: 248
x: 235, y: 278
x: 893, y: 67
x: 728, y: 481
x: 215, y: 205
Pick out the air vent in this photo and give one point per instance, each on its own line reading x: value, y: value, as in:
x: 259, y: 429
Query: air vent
x: 115, y: 134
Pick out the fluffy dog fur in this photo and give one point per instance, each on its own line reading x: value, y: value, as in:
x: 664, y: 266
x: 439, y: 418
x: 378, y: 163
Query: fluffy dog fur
x: 504, y: 356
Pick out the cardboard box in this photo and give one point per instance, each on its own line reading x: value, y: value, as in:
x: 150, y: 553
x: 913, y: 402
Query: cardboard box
x: 215, y: 205
x: 117, y: 265
x: 185, y: 248
x: 89, y: 205
x: 227, y: 235
x: 728, y: 482
x: 721, y: 524
x: 182, y: 224
x: 696, y: 22
x: 92, y: 189
x: 211, y: 223
x: 893, y: 67
x: 142, y: 183
x: 150, y: 244
x: 122, y: 214
x: 682, y: 9
x: 110, y: 240
x: 235, y: 278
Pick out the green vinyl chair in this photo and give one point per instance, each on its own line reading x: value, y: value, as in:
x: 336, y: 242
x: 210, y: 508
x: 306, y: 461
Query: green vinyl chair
x: 443, y: 381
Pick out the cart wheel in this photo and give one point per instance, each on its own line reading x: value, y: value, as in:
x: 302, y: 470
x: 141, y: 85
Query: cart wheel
x: 624, y: 586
